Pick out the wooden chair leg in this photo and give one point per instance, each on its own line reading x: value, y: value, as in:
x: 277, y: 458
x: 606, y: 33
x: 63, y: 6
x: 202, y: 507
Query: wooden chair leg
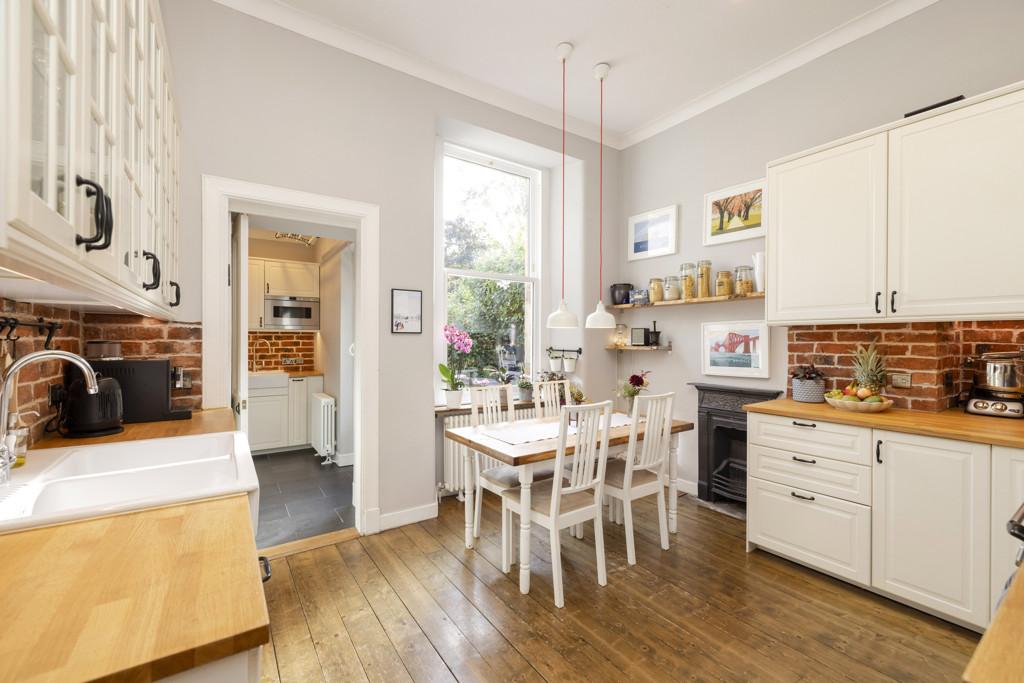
x: 479, y: 508
x: 627, y: 513
x: 506, y: 565
x: 556, y: 566
x: 662, y: 519
x: 602, y: 571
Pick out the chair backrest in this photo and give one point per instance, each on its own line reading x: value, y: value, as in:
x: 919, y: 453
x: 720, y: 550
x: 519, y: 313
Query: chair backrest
x: 653, y: 450
x: 547, y: 397
x: 486, y: 405
x: 590, y: 450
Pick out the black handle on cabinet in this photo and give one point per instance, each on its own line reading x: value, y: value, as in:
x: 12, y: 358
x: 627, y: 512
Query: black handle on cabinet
x: 797, y: 495
x: 108, y: 227
x: 892, y: 301
x: 264, y: 568
x: 150, y: 256
x: 809, y: 461
x: 804, y: 424
x: 878, y: 302
x: 93, y: 189
x: 268, y: 287
x: 177, y: 293
x: 878, y: 452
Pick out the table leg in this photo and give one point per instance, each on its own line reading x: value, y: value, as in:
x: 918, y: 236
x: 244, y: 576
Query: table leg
x: 525, y: 482
x: 673, y: 474
x: 470, y: 490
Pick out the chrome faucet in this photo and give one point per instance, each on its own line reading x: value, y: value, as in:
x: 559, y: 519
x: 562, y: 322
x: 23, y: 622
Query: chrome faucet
x: 270, y: 349
x: 91, y: 386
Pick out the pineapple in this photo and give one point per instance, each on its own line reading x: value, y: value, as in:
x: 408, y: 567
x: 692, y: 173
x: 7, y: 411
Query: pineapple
x: 869, y: 369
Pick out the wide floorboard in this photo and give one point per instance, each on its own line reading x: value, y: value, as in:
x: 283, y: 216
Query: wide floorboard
x: 414, y: 604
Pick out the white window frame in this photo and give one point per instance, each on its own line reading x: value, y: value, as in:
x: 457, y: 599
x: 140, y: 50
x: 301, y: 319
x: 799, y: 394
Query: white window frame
x: 533, y: 250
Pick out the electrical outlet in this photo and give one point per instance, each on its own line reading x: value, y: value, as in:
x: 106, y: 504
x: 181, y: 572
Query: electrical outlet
x: 291, y: 361
x: 900, y: 380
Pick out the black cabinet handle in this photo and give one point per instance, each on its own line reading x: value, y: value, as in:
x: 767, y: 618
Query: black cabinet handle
x: 878, y: 302
x: 804, y: 424
x: 797, y: 495
x: 264, y: 568
x: 150, y: 256
x: 878, y: 451
x: 177, y: 293
x: 268, y: 287
x: 809, y: 461
x: 93, y: 189
x: 108, y: 227
x: 892, y: 301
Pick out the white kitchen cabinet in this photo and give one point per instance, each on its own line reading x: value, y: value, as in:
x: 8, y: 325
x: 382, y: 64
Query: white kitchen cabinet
x: 1007, y: 496
x: 930, y: 534
x: 826, y: 234
x: 949, y: 230
x: 298, y: 411
x: 256, y: 294
x: 291, y: 278
x: 268, y: 418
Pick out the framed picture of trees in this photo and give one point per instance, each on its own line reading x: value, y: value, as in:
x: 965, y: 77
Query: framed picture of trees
x: 734, y: 213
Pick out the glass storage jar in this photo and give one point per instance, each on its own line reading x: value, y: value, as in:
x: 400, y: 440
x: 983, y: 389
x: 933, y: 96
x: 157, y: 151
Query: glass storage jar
x: 656, y: 290
x: 723, y: 283
x: 703, y: 279
x: 744, y: 280
x: 672, y: 288
x: 688, y: 281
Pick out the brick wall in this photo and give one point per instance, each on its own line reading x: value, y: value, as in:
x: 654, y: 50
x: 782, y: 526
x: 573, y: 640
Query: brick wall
x: 283, y: 345
x: 933, y: 354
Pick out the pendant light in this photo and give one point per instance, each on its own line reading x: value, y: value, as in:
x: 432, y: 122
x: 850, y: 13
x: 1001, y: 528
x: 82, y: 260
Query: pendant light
x: 563, y: 318
x: 601, y: 318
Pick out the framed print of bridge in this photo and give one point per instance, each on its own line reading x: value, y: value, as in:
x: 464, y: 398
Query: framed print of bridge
x: 735, y: 349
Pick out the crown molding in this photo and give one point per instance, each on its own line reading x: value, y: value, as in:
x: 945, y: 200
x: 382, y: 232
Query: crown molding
x: 313, y: 27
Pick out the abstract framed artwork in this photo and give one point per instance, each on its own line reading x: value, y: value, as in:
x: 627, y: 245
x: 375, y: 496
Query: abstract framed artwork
x: 735, y: 349
x: 406, y: 311
x: 734, y: 213
x: 652, y: 234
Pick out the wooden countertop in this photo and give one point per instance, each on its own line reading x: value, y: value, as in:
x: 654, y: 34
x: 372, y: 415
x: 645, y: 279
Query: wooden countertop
x: 135, y: 596
x: 202, y: 422
x: 949, y: 424
x: 999, y: 656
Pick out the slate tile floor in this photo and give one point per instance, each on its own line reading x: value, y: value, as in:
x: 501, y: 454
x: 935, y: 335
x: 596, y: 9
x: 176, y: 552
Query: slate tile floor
x: 300, y: 498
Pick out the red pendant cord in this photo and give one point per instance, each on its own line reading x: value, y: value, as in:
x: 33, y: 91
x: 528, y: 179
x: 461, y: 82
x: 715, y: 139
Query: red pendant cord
x: 563, y: 180
x: 600, y: 267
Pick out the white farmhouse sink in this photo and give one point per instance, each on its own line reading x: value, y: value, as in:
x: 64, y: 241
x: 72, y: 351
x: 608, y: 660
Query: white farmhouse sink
x: 65, y: 484
x: 268, y: 380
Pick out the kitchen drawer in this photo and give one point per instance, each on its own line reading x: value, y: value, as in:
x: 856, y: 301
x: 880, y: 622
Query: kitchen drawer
x: 834, y: 478
x: 820, y: 531
x: 812, y: 437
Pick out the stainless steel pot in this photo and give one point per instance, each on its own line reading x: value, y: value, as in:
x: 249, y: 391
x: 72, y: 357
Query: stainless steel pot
x: 1000, y: 373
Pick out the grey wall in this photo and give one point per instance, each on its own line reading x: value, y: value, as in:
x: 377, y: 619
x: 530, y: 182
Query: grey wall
x: 952, y: 47
x: 262, y: 104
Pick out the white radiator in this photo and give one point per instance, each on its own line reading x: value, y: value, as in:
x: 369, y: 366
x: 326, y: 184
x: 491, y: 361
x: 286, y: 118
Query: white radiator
x: 322, y: 421
x: 453, y: 470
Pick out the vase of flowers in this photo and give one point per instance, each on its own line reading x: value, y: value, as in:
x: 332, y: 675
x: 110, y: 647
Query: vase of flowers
x: 460, y: 344
x: 631, y: 388
x: 808, y: 384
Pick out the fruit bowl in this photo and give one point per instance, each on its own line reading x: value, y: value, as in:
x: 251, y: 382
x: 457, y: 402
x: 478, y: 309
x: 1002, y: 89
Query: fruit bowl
x: 859, y: 406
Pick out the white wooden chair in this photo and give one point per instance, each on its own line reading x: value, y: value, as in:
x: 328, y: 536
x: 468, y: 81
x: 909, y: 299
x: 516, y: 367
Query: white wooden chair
x: 547, y: 397
x: 557, y: 505
x: 486, y: 408
x: 642, y: 474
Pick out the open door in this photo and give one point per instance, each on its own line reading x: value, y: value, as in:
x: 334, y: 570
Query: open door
x: 239, y: 283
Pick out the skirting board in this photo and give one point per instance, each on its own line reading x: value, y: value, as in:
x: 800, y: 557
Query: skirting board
x: 684, y: 486
x: 344, y: 460
x: 390, y: 520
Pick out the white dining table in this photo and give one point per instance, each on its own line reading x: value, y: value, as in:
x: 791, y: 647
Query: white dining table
x: 504, y: 441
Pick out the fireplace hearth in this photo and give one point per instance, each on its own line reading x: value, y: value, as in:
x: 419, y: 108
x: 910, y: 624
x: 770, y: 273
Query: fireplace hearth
x: 722, y: 440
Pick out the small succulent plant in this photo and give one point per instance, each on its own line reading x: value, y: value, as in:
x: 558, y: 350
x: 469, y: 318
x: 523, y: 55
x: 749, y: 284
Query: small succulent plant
x: 807, y: 373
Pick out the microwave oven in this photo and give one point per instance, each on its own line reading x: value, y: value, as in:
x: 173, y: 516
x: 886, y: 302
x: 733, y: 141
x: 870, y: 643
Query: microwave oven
x: 291, y: 313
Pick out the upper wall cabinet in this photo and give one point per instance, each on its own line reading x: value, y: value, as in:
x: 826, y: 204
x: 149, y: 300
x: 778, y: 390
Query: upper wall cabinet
x: 91, y: 154
x: 904, y: 223
x: 292, y: 278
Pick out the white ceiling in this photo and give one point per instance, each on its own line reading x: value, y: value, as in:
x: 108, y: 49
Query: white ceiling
x: 671, y: 59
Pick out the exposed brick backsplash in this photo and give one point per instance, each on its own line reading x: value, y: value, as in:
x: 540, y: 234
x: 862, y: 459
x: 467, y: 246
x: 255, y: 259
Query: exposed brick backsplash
x: 933, y: 354
x: 283, y: 345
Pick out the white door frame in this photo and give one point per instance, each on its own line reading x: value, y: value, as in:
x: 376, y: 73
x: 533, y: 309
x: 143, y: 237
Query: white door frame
x: 221, y: 196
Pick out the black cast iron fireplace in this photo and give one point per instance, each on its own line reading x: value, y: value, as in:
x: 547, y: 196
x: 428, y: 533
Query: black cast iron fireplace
x: 722, y: 440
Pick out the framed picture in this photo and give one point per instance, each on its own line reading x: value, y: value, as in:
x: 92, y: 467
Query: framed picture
x: 735, y: 349
x: 406, y: 311
x: 734, y: 213
x: 652, y: 234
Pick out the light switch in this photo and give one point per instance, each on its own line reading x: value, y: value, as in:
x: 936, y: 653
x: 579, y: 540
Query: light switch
x: 900, y: 380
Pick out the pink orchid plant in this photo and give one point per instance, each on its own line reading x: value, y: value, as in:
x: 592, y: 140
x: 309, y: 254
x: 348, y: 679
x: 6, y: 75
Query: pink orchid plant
x: 462, y: 343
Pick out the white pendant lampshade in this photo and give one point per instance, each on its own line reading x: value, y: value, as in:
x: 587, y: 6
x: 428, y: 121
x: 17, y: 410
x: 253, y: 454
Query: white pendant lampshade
x: 563, y: 318
x: 601, y: 319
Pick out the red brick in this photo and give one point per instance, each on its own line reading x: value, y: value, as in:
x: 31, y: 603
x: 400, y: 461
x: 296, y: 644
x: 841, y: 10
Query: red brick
x: 182, y: 332
x: 865, y: 336
x: 815, y: 336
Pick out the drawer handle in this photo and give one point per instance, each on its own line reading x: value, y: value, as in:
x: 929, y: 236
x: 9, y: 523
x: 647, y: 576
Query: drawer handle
x: 797, y: 495
x: 878, y: 451
x: 809, y: 461
x: 804, y: 424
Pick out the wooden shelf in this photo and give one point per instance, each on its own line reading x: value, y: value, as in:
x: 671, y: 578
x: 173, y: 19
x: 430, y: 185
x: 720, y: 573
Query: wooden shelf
x: 641, y: 348
x: 705, y: 300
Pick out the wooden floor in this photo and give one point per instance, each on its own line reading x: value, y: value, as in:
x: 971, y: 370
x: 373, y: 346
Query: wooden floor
x: 414, y: 604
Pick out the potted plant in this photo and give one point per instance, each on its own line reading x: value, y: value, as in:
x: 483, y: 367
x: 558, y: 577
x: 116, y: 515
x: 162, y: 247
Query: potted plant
x: 569, y: 364
x: 631, y: 388
x: 808, y: 384
x: 555, y: 360
x: 460, y: 344
x: 525, y: 387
